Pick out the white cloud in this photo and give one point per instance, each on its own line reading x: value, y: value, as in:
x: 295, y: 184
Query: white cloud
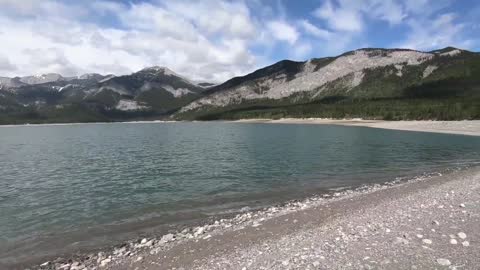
x: 440, y: 32
x: 314, y: 30
x: 6, y: 65
x: 283, y: 31
x: 213, y: 17
x: 351, y: 15
x: 210, y: 40
x: 341, y: 18
x: 386, y: 10
x: 46, y: 39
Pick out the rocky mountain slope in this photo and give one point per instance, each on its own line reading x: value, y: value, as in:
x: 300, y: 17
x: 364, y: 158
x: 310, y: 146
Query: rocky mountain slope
x: 361, y: 74
x: 367, y: 83
x: 150, y: 92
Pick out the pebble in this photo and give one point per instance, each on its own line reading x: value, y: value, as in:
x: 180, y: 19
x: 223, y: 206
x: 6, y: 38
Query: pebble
x: 453, y: 241
x: 427, y: 241
x: 65, y: 266
x: 444, y: 262
x: 462, y: 205
x: 150, y: 243
x: 105, y: 262
x: 139, y: 259
x: 316, y: 263
x: 168, y: 238
x: 466, y: 243
x: 144, y: 240
x: 78, y: 267
x: 419, y: 236
x: 285, y: 263
x: 400, y: 240
x: 199, y: 231
x: 462, y: 235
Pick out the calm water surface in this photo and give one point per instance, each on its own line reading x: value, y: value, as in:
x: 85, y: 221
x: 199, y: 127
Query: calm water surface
x: 79, y: 187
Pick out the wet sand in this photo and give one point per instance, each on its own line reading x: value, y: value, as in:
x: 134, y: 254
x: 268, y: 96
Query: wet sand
x: 466, y: 127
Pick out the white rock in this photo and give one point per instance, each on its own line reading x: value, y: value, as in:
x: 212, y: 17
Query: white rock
x: 316, y: 263
x: 400, y: 240
x: 429, y: 71
x: 453, y: 241
x: 462, y: 235
x: 285, y: 263
x: 466, y: 243
x: 65, y: 266
x: 129, y: 105
x: 144, y: 240
x: 150, y: 243
x: 139, y: 259
x: 200, y: 230
x: 105, y: 262
x: 168, y: 238
x: 444, y: 262
x: 427, y: 241
x: 462, y: 205
x: 419, y: 236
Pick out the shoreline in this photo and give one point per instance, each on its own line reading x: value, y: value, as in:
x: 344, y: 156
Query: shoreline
x: 459, y: 127
x: 172, y: 250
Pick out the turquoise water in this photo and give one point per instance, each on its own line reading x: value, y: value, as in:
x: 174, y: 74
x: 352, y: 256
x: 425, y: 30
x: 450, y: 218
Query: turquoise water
x: 79, y: 187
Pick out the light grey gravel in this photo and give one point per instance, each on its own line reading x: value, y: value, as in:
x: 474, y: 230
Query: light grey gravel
x: 377, y: 227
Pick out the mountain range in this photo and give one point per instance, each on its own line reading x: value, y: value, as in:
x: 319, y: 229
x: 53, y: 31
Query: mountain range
x: 367, y: 83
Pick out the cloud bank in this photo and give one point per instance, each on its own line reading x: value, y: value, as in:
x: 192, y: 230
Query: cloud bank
x: 212, y: 40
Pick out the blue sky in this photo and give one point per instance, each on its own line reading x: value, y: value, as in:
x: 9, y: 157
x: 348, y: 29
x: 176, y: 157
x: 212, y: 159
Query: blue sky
x: 213, y: 40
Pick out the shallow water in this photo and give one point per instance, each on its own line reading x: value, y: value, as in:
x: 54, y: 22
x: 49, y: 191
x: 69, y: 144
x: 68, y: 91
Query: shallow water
x: 78, y: 187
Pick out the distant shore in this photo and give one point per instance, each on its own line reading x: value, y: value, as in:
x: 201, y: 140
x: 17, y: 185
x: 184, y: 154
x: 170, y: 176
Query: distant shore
x: 465, y: 127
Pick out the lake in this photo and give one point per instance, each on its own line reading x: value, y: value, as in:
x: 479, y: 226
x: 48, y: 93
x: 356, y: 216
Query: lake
x: 69, y: 188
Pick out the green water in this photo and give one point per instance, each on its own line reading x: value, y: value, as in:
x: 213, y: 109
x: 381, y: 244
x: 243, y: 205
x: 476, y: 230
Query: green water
x: 80, y: 187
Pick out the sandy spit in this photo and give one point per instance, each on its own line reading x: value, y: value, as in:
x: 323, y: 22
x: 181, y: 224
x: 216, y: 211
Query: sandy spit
x: 465, y: 127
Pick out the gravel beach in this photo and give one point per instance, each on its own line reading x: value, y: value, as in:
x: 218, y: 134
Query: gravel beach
x: 430, y: 222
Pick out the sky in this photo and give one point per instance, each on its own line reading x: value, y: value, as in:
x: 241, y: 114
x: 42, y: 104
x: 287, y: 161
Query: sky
x: 214, y: 40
